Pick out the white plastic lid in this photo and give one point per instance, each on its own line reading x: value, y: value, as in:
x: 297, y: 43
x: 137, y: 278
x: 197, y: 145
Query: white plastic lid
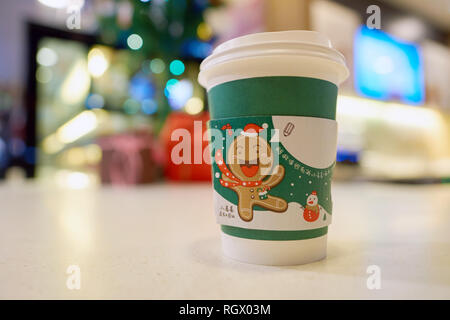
x: 282, y: 43
x: 292, y: 36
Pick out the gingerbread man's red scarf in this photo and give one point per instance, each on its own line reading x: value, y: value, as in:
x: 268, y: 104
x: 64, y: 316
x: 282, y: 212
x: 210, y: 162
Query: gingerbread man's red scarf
x: 224, y: 169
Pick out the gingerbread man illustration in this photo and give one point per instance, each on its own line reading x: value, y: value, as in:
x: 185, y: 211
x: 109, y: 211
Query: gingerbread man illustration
x: 249, y: 174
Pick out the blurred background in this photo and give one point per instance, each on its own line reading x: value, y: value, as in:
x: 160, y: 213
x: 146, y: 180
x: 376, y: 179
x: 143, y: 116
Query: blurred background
x: 91, y: 90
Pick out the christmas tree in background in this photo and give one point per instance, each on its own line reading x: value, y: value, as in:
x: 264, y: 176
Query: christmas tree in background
x: 169, y: 36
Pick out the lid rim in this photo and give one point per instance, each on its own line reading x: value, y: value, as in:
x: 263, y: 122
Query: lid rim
x: 263, y: 37
x: 342, y: 72
x: 247, y: 52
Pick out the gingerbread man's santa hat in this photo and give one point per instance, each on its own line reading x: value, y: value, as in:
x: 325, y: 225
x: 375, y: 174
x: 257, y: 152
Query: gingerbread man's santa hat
x: 252, y: 129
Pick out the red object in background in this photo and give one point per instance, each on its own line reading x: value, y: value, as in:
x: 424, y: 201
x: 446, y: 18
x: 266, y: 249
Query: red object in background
x: 195, y: 127
x: 130, y: 158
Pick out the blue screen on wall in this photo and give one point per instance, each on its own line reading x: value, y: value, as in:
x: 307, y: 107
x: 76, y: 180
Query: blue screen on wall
x: 386, y: 68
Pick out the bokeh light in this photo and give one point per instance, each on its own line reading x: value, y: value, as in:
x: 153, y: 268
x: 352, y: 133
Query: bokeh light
x: 169, y: 85
x: 149, y: 106
x: 194, y: 105
x: 73, y: 180
x: 176, y: 67
x: 51, y: 144
x: 204, y: 31
x: 131, y: 106
x: 140, y: 87
x: 95, y: 101
x: 157, y: 66
x: 179, y: 93
x: 97, y: 62
x: 135, y: 42
x: 198, y: 49
x: 76, y: 86
x: 77, y: 127
x: 176, y: 29
x: 75, y: 157
x: 46, y: 57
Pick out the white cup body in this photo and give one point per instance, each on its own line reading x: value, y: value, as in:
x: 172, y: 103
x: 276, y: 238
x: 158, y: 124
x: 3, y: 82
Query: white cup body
x: 298, y: 54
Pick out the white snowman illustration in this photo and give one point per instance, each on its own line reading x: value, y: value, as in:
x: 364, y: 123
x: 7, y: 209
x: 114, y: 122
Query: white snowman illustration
x: 312, y: 209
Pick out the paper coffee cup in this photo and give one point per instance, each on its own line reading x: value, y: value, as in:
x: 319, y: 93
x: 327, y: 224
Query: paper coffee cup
x: 272, y: 99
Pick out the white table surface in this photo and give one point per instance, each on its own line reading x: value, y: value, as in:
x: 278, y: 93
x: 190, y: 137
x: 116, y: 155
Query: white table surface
x: 161, y: 242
